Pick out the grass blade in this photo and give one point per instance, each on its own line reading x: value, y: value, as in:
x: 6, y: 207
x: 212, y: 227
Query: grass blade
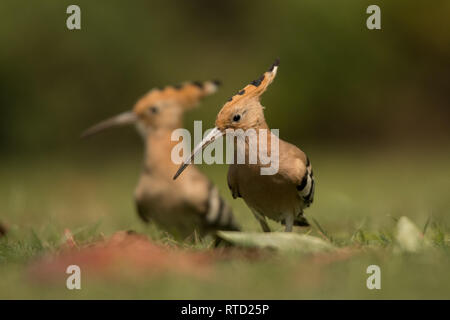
x: 426, y: 225
x: 321, y: 230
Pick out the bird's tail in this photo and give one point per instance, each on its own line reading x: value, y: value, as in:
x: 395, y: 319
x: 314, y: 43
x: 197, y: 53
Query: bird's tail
x: 299, y: 221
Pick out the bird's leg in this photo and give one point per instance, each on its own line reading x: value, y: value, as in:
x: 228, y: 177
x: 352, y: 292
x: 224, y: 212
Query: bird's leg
x: 289, y: 222
x: 262, y: 221
x: 264, y: 224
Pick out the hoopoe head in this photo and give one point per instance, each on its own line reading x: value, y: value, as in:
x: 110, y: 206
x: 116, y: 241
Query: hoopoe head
x: 242, y: 111
x: 160, y: 108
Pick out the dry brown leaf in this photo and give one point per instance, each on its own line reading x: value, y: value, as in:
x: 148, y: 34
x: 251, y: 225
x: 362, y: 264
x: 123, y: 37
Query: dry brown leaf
x: 122, y: 254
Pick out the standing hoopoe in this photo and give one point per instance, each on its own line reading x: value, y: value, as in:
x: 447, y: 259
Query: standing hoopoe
x: 180, y: 207
x: 281, y: 196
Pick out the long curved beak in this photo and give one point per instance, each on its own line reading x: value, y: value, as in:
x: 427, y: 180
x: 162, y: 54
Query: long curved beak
x: 210, y: 138
x: 119, y: 120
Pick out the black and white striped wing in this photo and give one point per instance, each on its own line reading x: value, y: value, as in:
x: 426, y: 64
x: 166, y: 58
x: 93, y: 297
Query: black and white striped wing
x: 219, y: 215
x: 306, y: 187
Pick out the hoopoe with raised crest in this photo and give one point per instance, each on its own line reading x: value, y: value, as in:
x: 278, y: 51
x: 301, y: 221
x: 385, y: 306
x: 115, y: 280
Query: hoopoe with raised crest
x: 282, y: 196
x: 180, y: 207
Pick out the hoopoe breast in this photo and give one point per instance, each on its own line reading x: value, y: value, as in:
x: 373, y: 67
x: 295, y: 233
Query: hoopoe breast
x: 158, y: 201
x: 182, y: 206
x: 270, y: 196
x: 289, y: 191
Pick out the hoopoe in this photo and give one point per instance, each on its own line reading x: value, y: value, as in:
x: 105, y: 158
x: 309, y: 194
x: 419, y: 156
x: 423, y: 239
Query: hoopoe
x: 282, y: 196
x: 180, y: 207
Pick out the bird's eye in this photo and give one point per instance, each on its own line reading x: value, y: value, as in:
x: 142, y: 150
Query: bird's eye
x: 153, y: 110
x: 236, y: 117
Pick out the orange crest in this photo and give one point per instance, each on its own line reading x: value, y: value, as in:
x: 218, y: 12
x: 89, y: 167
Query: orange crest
x: 244, y: 110
x: 257, y: 87
x: 186, y: 95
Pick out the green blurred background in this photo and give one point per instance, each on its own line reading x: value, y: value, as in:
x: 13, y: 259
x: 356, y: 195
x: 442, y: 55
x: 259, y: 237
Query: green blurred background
x: 338, y: 83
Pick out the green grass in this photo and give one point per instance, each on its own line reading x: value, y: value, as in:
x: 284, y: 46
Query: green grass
x: 359, y: 199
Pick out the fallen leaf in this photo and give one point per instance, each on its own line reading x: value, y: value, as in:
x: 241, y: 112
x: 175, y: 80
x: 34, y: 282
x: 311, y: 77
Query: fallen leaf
x: 122, y: 254
x: 283, y: 241
x: 408, y: 236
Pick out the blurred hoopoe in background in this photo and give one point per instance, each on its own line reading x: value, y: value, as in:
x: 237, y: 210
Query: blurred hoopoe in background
x: 282, y: 196
x: 180, y: 207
